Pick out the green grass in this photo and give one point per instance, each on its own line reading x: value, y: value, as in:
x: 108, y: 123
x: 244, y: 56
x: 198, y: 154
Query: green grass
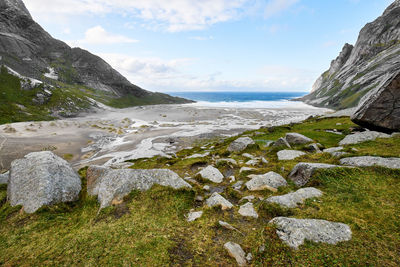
x: 149, y: 228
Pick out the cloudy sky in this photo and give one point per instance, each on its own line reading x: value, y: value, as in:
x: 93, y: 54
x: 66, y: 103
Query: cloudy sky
x: 211, y: 45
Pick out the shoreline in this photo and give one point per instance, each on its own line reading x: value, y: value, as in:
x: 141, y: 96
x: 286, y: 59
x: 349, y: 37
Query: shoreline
x: 113, y: 136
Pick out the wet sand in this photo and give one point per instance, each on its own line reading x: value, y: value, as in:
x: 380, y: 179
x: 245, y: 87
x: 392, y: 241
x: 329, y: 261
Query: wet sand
x: 112, y: 136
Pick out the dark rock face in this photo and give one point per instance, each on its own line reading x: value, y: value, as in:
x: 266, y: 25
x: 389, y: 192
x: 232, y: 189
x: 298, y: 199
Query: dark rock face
x: 360, y: 69
x: 28, y: 49
x: 380, y: 110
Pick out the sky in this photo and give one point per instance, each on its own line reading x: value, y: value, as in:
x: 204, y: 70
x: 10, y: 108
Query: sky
x: 211, y: 45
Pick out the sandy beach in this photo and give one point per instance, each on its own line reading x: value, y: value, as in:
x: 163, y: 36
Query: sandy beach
x: 113, y: 136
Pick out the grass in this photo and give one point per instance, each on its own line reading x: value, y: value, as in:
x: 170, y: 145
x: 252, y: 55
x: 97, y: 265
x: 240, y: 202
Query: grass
x: 149, y: 228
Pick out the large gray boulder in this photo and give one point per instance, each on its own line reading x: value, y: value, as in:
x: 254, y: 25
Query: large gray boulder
x: 212, y: 174
x: 293, y: 231
x: 42, y: 178
x: 292, y: 200
x: 111, y: 185
x: 240, y: 144
x: 271, y: 181
x: 367, y: 161
x: 297, y: 139
x: 362, y: 137
x: 303, y: 171
x: 289, y: 154
x: 4, y: 178
x: 380, y: 109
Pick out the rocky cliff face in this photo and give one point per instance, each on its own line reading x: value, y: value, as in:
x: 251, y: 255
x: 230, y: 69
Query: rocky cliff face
x: 28, y: 49
x: 358, y: 70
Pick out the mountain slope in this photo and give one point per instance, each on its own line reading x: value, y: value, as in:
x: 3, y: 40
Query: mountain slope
x: 360, y: 68
x: 27, y: 49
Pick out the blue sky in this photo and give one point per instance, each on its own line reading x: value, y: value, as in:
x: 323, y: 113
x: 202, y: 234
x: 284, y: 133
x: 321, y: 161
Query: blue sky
x: 211, y: 45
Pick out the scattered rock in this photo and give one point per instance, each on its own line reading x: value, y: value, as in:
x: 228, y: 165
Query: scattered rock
x: 248, y: 198
x: 217, y: 200
x: 367, y: 161
x: 360, y: 137
x: 240, y: 144
x: 249, y: 257
x: 263, y: 160
x: 238, y: 185
x: 198, y: 155
x: 232, y: 179
x: 281, y: 142
x: 42, y: 178
x: 249, y: 156
x: 246, y: 169
x: 236, y: 252
x: 333, y: 149
x: 271, y: 181
x: 252, y: 162
x: 289, y: 154
x: 206, y: 187
x: 247, y: 210
x: 291, y: 200
x: 227, y: 226
x: 193, y: 215
x: 111, y: 185
x: 229, y: 161
x: 293, y: 231
x: 297, y: 139
x: 4, y: 178
x: 313, y: 148
x: 302, y: 172
x: 199, y: 198
x: 212, y: 174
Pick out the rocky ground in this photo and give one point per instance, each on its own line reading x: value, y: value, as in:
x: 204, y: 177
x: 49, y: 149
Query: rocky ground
x: 321, y: 192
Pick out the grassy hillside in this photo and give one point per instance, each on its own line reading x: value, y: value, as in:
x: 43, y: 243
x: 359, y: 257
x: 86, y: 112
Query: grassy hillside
x: 149, y: 228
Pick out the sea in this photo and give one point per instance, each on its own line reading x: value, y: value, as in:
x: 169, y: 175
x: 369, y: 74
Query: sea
x: 244, y: 99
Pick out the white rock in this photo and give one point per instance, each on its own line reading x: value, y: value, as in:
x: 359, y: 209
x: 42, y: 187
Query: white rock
x: 240, y: 144
x: 229, y: 161
x: 246, y: 169
x: 194, y: 215
x: 236, y: 252
x: 247, y: 210
x: 212, y: 174
x: 217, y: 200
x: 367, y: 161
x: 249, y: 156
x: 362, y: 137
x: 292, y: 200
x: 227, y: 225
x: 289, y: 154
x: 271, y: 181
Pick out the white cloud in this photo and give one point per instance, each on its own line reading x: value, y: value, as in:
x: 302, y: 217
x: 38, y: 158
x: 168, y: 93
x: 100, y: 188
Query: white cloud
x: 98, y: 35
x: 274, y: 7
x: 171, y: 15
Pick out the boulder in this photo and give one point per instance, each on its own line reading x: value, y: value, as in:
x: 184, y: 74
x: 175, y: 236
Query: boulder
x: 218, y: 200
x: 4, y: 178
x: 212, y: 174
x: 193, y: 215
x: 253, y: 162
x: 291, y: 200
x: 111, y: 185
x: 302, y: 172
x: 247, y: 210
x: 360, y: 137
x: 367, y: 161
x: 281, y: 142
x: 271, y: 181
x: 289, y: 154
x: 236, y: 251
x: 293, y: 231
x: 249, y: 156
x: 240, y: 144
x: 380, y: 109
x: 42, y: 178
x: 297, y: 139
x: 228, y: 161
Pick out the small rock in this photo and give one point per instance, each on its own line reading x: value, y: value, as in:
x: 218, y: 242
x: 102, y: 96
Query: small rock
x: 313, y: 148
x: 199, y: 198
x: 194, y: 215
x: 271, y: 181
x: 238, y: 185
x: 4, y: 178
x: 263, y: 160
x: 293, y: 231
x: 391, y: 163
x: 333, y: 149
x: 227, y: 226
x: 248, y: 198
x: 236, y: 252
x: 217, y: 200
x: 232, y: 179
x: 252, y: 162
x: 302, y: 172
x: 362, y: 137
x: 207, y: 187
x: 297, y: 139
x: 291, y: 200
x: 289, y: 154
x: 240, y: 144
x: 229, y: 161
x: 191, y: 180
x: 247, y: 210
x: 249, y: 156
x: 246, y: 169
x: 249, y: 257
x: 212, y: 174
x: 339, y: 154
x: 281, y: 142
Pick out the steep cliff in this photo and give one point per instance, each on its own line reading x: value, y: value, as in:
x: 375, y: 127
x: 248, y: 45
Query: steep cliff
x: 27, y: 49
x: 358, y: 70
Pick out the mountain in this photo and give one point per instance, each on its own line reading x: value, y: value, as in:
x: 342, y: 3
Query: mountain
x: 31, y: 54
x: 362, y: 69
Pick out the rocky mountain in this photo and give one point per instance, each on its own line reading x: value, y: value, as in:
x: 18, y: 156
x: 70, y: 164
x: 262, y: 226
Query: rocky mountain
x: 361, y: 70
x: 28, y: 50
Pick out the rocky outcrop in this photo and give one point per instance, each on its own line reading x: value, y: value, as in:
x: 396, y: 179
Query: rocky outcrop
x: 367, y: 161
x: 42, y: 178
x: 292, y: 200
x: 111, y: 185
x: 293, y: 231
x: 367, y: 68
